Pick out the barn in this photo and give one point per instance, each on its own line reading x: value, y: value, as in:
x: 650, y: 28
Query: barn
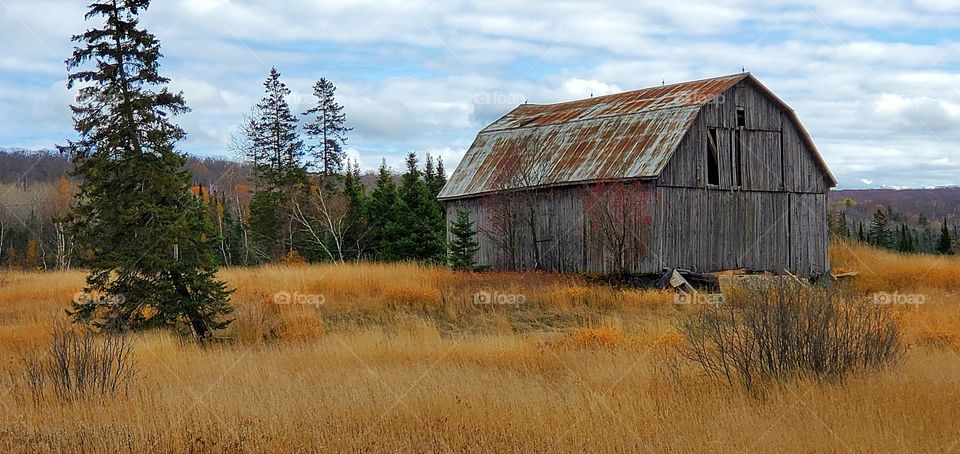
x: 705, y: 175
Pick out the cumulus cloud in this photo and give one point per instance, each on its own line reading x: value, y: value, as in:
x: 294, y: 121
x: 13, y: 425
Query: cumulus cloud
x: 876, y: 87
x: 580, y: 88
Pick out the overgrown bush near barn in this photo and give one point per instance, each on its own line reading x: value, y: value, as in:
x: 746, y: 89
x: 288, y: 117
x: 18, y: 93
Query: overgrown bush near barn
x: 774, y: 331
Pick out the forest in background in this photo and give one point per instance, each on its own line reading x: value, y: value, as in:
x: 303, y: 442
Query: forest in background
x: 35, y: 189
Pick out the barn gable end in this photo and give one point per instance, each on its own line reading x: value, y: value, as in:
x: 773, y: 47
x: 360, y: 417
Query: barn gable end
x: 776, y: 153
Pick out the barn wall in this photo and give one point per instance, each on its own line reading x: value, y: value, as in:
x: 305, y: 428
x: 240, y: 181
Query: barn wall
x: 774, y: 157
x: 692, y: 228
x: 563, y: 233
x: 710, y: 230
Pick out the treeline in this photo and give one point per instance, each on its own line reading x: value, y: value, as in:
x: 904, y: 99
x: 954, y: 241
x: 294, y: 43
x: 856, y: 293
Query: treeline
x: 891, y: 230
x: 309, y: 202
x: 296, y: 197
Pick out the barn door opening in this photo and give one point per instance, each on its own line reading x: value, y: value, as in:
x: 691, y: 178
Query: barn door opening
x: 713, y: 158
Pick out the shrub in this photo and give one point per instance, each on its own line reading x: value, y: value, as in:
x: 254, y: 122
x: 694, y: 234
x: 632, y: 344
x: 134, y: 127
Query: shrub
x: 77, y: 365
x: 773, y: 331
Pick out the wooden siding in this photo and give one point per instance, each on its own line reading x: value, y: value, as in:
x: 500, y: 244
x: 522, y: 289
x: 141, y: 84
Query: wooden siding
x: 563, y: 233
x: 774, y: 156
x: 692, y: 228
x: 712, y: 230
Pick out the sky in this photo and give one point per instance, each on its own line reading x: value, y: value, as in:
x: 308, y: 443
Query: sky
x: 876, y: 83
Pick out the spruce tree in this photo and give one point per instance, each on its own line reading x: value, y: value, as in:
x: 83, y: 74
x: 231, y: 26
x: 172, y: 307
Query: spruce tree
x: 925, y: 238
x: 880, y: 230
x: 357, y: 236
x: 278, y: 154
x: 861, y: 237
x: 944, y: 242
x: 463, y: 245
x: 904, y: 239
x: 421, y: 217
x: 276, y: 139
x: 382, y: 216
x: 844, y: 230
x: 328, y: 128
x: 147, y: 240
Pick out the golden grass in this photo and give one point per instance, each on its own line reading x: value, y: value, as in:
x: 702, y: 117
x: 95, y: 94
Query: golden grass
x: 399, y: 358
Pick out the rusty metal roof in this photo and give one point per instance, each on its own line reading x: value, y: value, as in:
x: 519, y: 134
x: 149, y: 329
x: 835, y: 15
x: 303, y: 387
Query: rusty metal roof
x: 626, y: 135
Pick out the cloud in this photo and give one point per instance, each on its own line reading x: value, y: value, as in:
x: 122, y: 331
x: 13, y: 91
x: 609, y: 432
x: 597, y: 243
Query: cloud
x: 580, y: 88
x: 876, y: 86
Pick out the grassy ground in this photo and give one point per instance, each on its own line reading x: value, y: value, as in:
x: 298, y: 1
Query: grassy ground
x: 399, y: 357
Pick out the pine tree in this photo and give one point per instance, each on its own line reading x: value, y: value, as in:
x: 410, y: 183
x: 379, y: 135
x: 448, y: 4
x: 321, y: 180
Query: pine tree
x: 149, y: 245
x: 327, y: 127
x: 421, y: 217
x: 880, y: 230
x: 833, y: 222
x: 357, y: 237
x: 904, y: 239
x: 434, y: 175
x: 463, y: 246
x: 277, y: 152
x: 944, y: 242
x: 382, y: 216
x: 844, y: 226
x: 276, y: 141
x: 925, y: 239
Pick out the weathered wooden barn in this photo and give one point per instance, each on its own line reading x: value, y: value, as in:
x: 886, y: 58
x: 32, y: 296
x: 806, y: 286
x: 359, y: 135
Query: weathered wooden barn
x: 728, y: 178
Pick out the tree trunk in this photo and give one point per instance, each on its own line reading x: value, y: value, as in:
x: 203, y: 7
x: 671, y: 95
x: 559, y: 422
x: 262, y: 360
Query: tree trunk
x: 199, y: 326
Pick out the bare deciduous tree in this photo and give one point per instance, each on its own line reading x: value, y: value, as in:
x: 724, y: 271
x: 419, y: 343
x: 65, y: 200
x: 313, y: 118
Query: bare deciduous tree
x: 616, y: 214
x: 515, y: 207
x: 325, y: 217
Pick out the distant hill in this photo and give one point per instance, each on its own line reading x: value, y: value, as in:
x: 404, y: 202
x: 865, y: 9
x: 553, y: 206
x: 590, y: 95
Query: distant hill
x: 25, y: 168
x: 906, y: 204
x: 28, y: 167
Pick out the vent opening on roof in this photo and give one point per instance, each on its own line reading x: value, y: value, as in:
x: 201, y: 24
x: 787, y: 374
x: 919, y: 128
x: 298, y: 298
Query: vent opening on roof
x: 713, y: 161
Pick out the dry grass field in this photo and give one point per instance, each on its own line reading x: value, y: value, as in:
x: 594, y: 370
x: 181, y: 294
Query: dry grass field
x: 400, y: 358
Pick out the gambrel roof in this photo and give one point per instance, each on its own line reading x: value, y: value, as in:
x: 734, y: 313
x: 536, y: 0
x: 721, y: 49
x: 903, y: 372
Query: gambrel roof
x: 630, y: 135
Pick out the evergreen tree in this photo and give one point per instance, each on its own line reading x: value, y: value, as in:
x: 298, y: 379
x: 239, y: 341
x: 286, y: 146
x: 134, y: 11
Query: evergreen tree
x: 844, y: 226
x: 880, y: 230
x: 278, y: 153
x: 434, y: 175
x: 833, y: 223
x: 277, y: 145
x: 861, y: 237
x: 382, y: 216
x: 327, y: 127
x: 266, y: 224
x: 463, y: 246
x: 904, y: 239
x: 944, y: 243
x: 420, y: 218
x: 357, y: 236
x: 148, y: 242
x: 925, y: 238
